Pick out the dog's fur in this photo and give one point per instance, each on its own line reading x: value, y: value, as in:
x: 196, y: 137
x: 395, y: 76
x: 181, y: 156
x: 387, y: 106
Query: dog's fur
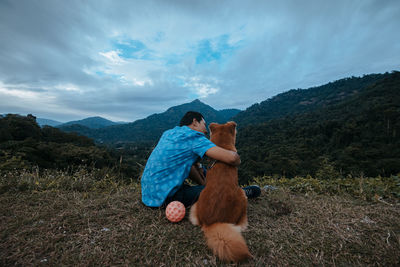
x: 222, y: 205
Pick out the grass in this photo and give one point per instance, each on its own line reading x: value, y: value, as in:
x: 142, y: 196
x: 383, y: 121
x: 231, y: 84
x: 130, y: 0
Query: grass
x: 366, y: 188
x: 102, y: 222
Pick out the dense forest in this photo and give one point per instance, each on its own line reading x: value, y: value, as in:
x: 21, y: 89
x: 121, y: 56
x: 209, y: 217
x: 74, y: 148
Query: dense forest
x: 357, y: 135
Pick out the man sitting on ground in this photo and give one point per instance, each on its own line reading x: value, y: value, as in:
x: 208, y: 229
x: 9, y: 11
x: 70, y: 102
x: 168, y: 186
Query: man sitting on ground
x: 174, y: 159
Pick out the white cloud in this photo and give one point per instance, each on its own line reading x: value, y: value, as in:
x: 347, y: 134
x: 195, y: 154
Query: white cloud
x: 21, y: 94
x: 113, y: 57
x: 201, y: 88
x: 67, y: 87
x: 204, y: 90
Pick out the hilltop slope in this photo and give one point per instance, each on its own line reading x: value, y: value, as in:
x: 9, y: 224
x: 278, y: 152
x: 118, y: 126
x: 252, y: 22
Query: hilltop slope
x: 81, y: 220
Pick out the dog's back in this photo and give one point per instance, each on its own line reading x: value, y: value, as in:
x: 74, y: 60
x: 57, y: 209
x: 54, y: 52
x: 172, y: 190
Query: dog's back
x: 222, y: 200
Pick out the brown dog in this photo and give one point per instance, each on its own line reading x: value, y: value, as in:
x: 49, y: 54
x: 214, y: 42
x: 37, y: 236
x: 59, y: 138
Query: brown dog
x: 222, y: 205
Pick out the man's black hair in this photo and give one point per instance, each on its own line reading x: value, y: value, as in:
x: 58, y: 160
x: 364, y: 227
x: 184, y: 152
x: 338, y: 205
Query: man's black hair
x: 187, y: 119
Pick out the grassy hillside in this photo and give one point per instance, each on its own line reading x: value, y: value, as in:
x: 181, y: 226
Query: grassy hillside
x: 77, y: 219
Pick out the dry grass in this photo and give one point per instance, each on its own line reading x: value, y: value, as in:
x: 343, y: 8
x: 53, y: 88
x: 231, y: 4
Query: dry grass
x: 56, y: 227
x: 324, y: 230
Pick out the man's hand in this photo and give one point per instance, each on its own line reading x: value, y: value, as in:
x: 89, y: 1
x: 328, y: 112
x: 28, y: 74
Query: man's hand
x: 224, y: 155
x: 196, y: 175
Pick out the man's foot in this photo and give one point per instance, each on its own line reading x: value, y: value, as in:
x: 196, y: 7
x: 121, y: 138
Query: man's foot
x: 252, y: 191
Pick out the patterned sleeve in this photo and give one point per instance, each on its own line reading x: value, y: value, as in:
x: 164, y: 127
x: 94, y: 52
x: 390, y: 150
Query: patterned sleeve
x: 201, y: 145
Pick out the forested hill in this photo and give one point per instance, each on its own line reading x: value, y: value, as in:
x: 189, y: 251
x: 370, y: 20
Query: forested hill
x: 24, y: 145
x: 354, y: 135
x: 298, y: 101
x: 151, y: 128
x: 92, y: 123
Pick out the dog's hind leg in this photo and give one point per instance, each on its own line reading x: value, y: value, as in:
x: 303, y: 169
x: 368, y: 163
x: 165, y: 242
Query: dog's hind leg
x: 193, y: 215
x: 243, y: 222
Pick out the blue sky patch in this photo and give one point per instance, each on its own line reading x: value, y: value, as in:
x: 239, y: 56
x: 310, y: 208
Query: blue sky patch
x: 216, y: 49
x: 108, y: 75
x: 133, y: 49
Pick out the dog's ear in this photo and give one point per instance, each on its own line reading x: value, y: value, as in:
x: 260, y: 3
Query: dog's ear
x: 232, y: 123
x: 212, y: 126
x: 232, y: 126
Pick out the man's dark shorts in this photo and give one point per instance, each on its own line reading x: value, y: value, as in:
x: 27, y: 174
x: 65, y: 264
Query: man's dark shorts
x: 187, y: 194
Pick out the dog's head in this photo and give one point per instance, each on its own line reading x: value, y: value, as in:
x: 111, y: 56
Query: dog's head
x: 223, y: 135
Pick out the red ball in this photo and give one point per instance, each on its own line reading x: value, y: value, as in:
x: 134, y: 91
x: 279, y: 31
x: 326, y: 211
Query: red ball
x: 175, y: 211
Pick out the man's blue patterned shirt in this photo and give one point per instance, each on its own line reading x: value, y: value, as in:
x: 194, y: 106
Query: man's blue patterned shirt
x: 170, y: 162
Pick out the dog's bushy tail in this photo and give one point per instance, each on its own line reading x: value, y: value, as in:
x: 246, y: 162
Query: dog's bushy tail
x: 226, y: 242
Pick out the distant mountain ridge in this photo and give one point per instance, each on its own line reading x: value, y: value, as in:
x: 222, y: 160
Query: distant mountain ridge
x: 42, y: 122
x: 290, y: 103
x: 91, y: 122
x: 151, y: 128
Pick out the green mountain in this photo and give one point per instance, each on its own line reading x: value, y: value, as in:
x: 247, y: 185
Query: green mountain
x: 331, y: 136
x: 297, y: 101
x: 228, y: 114
x: 92, y: 123
x: 151, y: 128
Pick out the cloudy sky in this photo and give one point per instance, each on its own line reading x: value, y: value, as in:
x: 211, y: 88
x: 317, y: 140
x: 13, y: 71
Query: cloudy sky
x: 125, y: 60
